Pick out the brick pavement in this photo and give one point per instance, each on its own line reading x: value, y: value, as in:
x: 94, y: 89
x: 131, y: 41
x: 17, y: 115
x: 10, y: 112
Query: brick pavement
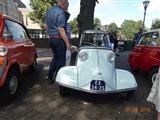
x: 40, y: 101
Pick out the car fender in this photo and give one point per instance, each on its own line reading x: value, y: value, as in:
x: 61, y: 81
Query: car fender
x: 5, y: 70
x: 125, y: 80
x: 67, y: 76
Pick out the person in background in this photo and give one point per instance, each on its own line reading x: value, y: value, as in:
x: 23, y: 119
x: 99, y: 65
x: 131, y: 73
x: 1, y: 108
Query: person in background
x: 113, y: 40
x: 138, y: 35
x: 56, y: 22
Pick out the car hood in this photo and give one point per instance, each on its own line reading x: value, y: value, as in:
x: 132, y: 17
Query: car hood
x: 96, y: 67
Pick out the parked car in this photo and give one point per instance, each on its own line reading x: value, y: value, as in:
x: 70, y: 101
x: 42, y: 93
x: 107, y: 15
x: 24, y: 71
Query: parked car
x: 94, y: 71
x: 146, y: 54
x: 17, y: 53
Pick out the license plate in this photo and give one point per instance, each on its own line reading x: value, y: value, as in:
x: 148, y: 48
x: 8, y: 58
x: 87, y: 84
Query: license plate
x: 97, y: 85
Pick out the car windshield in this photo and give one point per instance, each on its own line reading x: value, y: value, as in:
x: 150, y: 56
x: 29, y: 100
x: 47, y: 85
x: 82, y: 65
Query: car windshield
x: 150, y: 39
x: 94, y: 39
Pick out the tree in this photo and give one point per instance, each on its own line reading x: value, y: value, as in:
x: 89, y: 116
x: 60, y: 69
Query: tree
x: 130, y: 27
x: 112, y: 27
x: 39, y: 9
x: 155, y: 24
x: 74, y: 26
x: 86, y: 15
x: 97, y: 23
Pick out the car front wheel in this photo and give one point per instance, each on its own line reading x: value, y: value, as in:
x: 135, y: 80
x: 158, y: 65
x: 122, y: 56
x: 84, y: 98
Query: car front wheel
x: 11, y: 86
x: 127, y: 94
x: 63, y: 91
x: 153, y: 74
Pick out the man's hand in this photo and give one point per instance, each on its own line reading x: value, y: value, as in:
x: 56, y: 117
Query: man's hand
x: 68, y: 45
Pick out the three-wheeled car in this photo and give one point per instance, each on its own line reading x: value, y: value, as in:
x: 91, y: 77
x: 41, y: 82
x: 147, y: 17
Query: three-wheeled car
x: 94, y: 70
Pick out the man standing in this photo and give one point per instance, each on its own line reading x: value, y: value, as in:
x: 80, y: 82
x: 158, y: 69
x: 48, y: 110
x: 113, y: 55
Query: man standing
x: 56, y: 23
x: 113, y: 40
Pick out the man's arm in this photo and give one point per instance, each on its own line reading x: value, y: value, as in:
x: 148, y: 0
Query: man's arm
x: 64, y: 37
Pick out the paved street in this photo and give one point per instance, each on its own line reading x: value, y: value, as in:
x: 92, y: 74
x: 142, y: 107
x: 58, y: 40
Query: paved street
x: 39, y: 101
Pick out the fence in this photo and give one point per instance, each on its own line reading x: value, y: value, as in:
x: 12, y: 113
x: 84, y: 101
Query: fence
x: 43, y: 43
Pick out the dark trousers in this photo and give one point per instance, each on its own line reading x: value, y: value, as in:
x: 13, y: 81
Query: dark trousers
x: 59, y: 51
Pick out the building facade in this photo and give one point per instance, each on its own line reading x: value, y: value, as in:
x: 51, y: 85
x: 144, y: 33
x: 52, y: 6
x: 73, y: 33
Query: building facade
x: 34, y: 29
x: 6, y: 6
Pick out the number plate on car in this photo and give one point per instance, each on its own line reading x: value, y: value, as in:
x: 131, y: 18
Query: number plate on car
x: 97, y: 85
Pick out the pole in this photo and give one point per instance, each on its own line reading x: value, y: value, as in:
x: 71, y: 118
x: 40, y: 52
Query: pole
x: 144, y: 19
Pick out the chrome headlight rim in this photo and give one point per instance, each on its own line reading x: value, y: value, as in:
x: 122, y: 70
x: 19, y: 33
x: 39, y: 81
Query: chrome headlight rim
x: 83, y: 56
x: 111, y: 57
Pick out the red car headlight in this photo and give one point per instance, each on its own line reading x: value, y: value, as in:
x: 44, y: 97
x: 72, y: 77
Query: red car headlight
x: 3, y: 51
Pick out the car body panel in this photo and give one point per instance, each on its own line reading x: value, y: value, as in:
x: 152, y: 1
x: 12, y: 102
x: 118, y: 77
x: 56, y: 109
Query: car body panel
x: 94, y: 70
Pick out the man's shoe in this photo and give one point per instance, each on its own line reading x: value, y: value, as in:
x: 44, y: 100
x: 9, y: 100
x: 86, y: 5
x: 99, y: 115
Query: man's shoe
x: 50, y: 80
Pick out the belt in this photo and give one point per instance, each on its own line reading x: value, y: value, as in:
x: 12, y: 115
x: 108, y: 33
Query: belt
x: 55, y: 36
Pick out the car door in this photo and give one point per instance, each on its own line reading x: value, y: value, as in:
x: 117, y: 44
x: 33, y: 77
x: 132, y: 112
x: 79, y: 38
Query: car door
x: 16, y: 47
x: 29, y: 47
x: 1, y: 25
x: 147, y: 50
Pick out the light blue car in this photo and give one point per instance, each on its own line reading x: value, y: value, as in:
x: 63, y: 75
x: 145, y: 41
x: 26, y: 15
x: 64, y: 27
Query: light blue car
x: 94, y: 70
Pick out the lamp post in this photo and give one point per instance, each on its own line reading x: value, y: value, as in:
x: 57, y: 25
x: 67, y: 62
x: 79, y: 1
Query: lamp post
x: 145, y: 4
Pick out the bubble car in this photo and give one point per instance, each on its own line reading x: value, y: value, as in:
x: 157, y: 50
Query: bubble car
x: 94, y: 70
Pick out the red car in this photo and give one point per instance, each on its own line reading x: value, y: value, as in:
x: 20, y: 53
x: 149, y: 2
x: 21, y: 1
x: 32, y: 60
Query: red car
x: 146, y: 54
x: 17, y: 53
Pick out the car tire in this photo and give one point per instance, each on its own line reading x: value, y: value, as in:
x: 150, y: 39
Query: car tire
x: 63, y: 91
x: 11, y: 86
x: 33, y: 66
x: 152, y: 75
x: 127, y: 94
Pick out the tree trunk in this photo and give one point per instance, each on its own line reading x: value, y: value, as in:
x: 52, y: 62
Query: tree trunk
x: 86, y: 16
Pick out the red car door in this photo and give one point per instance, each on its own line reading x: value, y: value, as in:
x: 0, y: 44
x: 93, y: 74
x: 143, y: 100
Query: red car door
x: 19, y: 52
x: 29, y: 47
x: 147, y: 51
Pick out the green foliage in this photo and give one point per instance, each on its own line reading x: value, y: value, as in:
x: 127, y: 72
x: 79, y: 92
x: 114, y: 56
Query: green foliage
x: 155, y: 24
x: 74, y: 26
x: 130, y: 27
x: 97, y: 23
x: 39, y: 9
x: 112, y: 27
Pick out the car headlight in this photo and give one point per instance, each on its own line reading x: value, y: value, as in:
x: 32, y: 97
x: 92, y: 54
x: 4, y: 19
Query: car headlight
x: 3, y: 51
x: 83, y: 56
x: 111, y: 57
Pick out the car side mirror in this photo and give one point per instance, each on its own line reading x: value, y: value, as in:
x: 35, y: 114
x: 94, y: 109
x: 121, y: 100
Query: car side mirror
x: 7, y: 36
x: 154, y: 36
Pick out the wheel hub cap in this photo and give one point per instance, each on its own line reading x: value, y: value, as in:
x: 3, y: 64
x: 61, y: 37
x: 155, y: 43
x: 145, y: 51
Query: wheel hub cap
x: 13, y: 84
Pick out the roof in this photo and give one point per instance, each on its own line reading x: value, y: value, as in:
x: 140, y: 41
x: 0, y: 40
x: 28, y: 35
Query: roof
x: 153, y: 30
x: 10, y: 18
